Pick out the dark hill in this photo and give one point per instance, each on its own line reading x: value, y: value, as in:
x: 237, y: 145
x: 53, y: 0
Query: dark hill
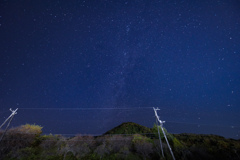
x: 129, y: 128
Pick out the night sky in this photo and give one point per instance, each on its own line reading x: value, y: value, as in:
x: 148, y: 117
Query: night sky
x: 87, y: 66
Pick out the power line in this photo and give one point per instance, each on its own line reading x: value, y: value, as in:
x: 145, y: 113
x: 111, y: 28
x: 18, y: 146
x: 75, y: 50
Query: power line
x: 124, y: 108
x: 167, y: 121
x: 85, y: 108
x: 3, y: 111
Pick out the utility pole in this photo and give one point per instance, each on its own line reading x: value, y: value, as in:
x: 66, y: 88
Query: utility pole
x: 161, y: 126
x: 10, y: 117
x: 159, y: 136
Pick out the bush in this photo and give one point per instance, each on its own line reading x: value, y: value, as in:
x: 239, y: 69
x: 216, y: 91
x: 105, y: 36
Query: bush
x: 79, y: 146
x: 30, y: 129
x: 19, y: 138
x: 155, y: 131
x: 143, y: 145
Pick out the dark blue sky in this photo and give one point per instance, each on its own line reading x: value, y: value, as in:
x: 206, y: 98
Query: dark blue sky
x: 180, y: 56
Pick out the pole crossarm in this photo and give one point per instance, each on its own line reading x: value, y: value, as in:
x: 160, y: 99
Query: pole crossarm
x: 13, y: 113
x: 158, y: 118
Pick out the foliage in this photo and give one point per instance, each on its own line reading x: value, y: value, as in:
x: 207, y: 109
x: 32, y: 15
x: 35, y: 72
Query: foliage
x: 143, y: 145
x: 26, y: 142
x: 50, y: 145
x: 30, y: 129
x: 19, y: 138
x: 177, y: 144
x: 109, y: 145
x: 80, y: 146
x: 211, y: 146
x: 129, y: 128
x: 155, y: 131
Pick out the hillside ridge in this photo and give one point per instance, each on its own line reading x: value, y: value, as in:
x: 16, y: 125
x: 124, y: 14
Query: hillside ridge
x: 129, y: 128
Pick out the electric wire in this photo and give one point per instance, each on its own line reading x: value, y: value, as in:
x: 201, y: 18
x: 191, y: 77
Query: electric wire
x: 174, y: 122
x: 133, y: 108
x: 85, y: 108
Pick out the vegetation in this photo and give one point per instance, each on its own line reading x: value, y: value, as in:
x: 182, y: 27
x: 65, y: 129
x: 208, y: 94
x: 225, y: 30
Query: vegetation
x: 129, y: 128
x: 127, y: 141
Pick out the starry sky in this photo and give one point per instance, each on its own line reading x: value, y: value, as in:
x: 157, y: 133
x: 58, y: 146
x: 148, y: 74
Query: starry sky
x: 87, y: 66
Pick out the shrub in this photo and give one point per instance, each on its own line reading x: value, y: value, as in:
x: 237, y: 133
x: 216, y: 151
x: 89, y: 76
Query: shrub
x: 143, y: 145
x: 79, y: 146
x: 18, y: 138
x: 30, y: 129
x: 177, y: 144
x: 155, y: 131
x: 49, y: 142
x: 102, y: 150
